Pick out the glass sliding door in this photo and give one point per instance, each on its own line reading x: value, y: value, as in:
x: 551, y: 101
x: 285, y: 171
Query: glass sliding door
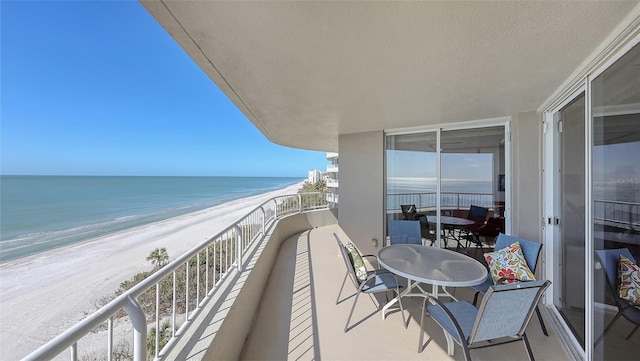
x: 615, y: 115
x: 470, y: 170
x: 569, y: 197
x: 472, y: 175
x: 411, y: 177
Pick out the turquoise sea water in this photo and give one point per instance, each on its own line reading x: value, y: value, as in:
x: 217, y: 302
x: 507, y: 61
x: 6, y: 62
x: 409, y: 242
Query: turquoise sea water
x: 38, y: 213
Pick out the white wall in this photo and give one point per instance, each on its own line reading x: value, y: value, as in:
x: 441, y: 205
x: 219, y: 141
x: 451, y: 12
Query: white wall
x: 526, y: 165
x: 361, y: 207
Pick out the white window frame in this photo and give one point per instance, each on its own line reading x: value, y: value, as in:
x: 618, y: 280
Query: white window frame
x: 618, y: 47
x: 473, y: 124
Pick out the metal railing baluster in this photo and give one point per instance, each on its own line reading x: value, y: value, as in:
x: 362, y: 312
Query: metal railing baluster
x: 198, y: 281
x: 110, y: 338
x: 157, y: 340
x: 173, y: 305
x: 206, y: 271
x: 186, y: 292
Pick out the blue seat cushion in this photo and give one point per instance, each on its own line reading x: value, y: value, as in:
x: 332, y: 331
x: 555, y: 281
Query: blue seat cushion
x: 464, y: 312
x: 380, y: 283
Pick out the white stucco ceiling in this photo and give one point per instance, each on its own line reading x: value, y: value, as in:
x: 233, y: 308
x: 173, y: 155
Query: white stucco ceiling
x: 305, y: 72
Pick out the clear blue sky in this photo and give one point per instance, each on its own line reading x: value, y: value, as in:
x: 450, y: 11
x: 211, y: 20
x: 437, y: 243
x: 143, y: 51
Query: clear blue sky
x: 99, y: 88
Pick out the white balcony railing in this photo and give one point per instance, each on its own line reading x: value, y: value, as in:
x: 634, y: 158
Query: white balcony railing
x: 332, y: 198
x: 624, y: 215
x: 332, y: 168
x: 200, y: 271
x: 448, y: 200
x: 332, y: 183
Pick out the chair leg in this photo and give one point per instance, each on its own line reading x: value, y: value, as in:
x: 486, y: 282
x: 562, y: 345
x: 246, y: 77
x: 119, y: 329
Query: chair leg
x: 346, y: 275
x: 404, y: 320
x: 467, y: 353
x: 606, y: 330
x: 475, y: 297
x: 422, y: 317
x: 544, y: 329
x: 632, y: 332
x: 480, y: 244
x: 346, y: 326
x: 527, y: 346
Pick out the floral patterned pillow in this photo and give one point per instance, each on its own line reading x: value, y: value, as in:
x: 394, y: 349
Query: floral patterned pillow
x: 509, y: 262
x: 357, y: 262
x: 629, y: 281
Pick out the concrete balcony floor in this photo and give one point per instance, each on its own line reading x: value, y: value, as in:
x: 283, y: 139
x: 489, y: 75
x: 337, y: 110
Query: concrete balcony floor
x: 298, y: 317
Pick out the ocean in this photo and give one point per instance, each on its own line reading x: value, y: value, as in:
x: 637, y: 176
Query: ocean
x: 39, y: 213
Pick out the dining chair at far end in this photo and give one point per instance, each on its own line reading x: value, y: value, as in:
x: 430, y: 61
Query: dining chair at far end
x: 530, y: 251
x: 503, y: 316
x: 410, y: 212
x: 366, y: 281
x: 405, y: 232
x: 478, y: 215
x: 609, y: 260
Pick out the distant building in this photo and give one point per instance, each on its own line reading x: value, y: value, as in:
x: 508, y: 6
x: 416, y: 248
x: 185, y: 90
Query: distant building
x: 314, y: 176
x: 331, y: 178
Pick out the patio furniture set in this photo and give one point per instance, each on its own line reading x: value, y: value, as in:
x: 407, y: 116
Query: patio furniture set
x: 507, y: 305
x: 507, y: 283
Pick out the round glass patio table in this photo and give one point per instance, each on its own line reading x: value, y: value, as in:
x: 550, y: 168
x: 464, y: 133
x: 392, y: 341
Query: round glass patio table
x: 438, y: 267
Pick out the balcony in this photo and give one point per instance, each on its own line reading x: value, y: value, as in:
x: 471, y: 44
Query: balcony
x: 332, y: 168
x: 332, y: 183
x: 298, y: 317
x: 279, y: 303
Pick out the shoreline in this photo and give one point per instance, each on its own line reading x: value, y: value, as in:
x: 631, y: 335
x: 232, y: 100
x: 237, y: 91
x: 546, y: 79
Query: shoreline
x: 32, y: 310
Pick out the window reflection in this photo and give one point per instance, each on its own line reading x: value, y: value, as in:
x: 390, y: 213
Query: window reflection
x: 616, y: 200
x: 472, y: 174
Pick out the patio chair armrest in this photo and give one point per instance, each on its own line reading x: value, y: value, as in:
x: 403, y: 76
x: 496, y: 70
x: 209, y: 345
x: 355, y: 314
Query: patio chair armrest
x: 378, y: 272
x: 375, y: 258
x: 449, y: 323
x: 504, y: 280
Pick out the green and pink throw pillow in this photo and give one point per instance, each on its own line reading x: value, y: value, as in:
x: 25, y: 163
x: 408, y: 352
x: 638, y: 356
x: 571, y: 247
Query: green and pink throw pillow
x: 509, y: 262
x: 629, y: 281
x: 357, y: 262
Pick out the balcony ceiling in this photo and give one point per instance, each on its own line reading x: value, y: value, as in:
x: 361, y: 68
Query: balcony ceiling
x: 305, y: 72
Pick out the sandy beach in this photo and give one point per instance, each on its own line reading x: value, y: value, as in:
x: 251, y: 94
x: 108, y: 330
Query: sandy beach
x: 44, y: 294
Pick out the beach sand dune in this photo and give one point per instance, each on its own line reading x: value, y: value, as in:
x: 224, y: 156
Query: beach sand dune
x: 43, y: 295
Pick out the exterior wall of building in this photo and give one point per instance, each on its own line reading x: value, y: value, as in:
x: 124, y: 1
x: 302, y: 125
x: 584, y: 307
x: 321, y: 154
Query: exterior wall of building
x: 526, y: 173
x: 331, y: 177
x: 362, y: 182
x: 362, y: 188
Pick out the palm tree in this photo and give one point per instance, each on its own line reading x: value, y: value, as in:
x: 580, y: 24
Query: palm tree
x: 158, y: 257
x: 163, y: 337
